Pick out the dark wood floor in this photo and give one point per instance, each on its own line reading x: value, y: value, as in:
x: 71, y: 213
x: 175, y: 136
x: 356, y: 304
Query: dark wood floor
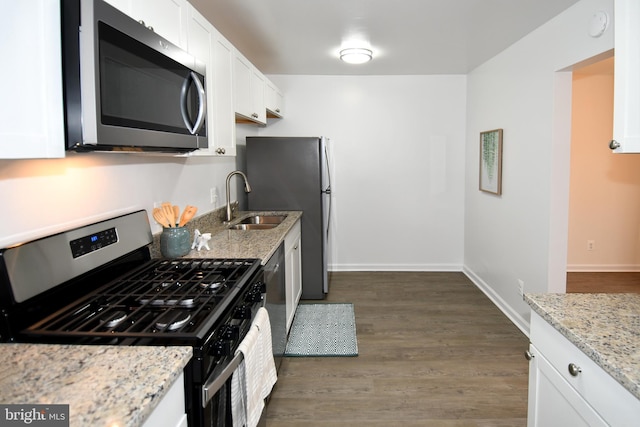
x: 433, y: 351
x: 589, y: 282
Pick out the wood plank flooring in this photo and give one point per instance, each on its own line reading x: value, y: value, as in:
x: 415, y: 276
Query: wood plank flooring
x: 605, y: 282
x: 433, y: 351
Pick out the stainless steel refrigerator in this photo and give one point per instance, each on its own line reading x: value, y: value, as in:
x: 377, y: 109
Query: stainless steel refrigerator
x: 293, y: 173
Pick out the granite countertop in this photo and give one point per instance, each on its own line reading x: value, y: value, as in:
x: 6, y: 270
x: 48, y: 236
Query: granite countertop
x: 103, y: 385
x: 226, y: 243
x: 606, y: 327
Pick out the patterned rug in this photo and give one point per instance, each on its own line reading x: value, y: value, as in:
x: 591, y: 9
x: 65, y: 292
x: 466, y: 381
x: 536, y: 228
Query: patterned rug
x: 327, y: 330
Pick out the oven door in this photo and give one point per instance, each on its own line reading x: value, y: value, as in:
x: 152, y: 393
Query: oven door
x: 216, y: 395
x: 213, y: 394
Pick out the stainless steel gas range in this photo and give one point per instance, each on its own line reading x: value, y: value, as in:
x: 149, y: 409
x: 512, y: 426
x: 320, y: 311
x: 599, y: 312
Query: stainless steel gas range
x: 97, y: 284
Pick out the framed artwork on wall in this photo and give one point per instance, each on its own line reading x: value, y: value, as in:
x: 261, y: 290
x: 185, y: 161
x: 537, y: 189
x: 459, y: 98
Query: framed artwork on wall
x: 491, y: 161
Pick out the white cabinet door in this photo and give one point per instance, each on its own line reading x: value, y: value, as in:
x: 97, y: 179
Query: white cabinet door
x: 207, y: 45
x: 31, y: 109
x: 552, y: 401
x: 222, y: 99
x: 274, y: 100
x: 248, y: 85
x: 257, y: 96
x: 566, y: 386
x: 166, y: 17
x: 293, y: 271
x: 199, y: 44
x: 626, y: 105
x: 170, y: 411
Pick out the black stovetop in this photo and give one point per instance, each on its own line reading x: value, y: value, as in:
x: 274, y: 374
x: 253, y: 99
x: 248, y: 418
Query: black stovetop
x: 166, y: 301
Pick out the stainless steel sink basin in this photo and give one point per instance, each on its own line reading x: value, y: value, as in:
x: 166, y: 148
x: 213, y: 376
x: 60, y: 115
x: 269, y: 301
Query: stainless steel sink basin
x: 264, y: 219
x: 252, y: 226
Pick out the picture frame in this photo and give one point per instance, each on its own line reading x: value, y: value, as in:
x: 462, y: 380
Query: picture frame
x: 490, y: 179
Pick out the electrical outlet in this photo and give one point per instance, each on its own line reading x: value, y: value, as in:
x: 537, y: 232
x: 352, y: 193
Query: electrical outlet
x: 591, y: 245
x: 213, y: 194
x: 521, y: 288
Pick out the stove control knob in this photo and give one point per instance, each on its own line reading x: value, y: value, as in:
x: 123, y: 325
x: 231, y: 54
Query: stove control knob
x: 262, y: 287
x: 254, y: 295
x: 231, y: 332
x: 242, y: 312
x: 222, y: 348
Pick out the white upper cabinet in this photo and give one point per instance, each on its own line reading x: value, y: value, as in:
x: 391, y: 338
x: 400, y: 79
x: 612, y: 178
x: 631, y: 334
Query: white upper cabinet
x: 165, y: 17
x: 248, y: 85
x: 626, y: 105
x: 207, y: 45
x: 31, y: 113
x: 274, y: 100
x: 224, y: 123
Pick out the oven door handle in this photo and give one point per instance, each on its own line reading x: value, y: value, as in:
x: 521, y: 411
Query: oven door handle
x: 215, y: 382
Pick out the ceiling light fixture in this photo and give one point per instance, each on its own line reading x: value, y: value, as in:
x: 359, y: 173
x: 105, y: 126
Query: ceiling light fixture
x: 356, y: 55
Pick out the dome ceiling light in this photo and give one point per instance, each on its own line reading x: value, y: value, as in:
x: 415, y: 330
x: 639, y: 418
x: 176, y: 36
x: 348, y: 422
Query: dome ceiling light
x: 356, y: 55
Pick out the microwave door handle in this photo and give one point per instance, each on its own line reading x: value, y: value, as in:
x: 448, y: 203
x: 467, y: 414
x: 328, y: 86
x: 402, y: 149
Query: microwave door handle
x: 202, y: 109
x: 202, y: 103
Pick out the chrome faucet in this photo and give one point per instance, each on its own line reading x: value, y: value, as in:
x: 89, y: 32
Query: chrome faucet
x: 247, y: 189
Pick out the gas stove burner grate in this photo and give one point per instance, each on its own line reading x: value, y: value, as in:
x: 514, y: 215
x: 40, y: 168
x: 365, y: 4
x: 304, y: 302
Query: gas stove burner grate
x: 178, y: 298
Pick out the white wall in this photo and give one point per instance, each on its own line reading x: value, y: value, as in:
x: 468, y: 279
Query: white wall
x: 398, y: 151
x: 523, y: 233
x: 40, y: 197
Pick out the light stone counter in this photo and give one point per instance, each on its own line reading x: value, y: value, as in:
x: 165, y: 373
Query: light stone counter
x: 606, y: 327
x: 103, y: 385
x: 226, y: 243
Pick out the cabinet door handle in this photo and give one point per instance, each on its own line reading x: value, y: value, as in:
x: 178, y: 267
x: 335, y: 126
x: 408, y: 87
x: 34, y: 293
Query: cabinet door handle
x: 614, y: 144
x: 528, y: 355
x: 574, y: 369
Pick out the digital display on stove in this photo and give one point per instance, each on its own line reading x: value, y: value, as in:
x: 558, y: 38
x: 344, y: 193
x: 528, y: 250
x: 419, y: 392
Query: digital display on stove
x: 93, y: 242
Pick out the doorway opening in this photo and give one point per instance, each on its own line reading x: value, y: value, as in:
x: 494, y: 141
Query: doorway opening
x: 603, y: 245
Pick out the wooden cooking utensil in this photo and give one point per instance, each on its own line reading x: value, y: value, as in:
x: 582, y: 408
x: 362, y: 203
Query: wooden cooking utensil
x: 158, y: 215
x: 176, y: 213
x: 167, y: 210
x: 187, y: 215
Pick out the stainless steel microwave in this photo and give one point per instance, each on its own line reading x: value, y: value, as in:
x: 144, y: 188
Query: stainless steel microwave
x: 125, y: 87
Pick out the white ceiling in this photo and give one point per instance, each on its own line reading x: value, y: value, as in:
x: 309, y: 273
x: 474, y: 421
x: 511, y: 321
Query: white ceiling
x: 406, y: 36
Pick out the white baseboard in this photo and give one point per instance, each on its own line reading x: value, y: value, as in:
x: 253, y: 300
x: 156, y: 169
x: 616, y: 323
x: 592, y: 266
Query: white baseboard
x: 395, y: 267
x: 515, y: 318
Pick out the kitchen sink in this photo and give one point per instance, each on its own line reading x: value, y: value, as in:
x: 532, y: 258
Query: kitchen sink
x: 252, y: 226
x: 264, y: 220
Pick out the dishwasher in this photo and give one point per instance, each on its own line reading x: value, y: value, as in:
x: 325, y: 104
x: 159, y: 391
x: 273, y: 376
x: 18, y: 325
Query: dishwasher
x: 274, y: 278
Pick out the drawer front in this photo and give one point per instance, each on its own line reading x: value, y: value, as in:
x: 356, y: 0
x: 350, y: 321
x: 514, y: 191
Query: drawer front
x: 292, y: 236
x: 608, y: 397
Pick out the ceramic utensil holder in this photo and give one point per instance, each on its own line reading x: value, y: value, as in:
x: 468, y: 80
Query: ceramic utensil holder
x: 175, y: 242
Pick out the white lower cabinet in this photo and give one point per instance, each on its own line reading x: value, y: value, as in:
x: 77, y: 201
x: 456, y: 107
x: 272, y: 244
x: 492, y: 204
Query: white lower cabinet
x: 170, y: 411
x: 567, y: 388
x: 293, y: 271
